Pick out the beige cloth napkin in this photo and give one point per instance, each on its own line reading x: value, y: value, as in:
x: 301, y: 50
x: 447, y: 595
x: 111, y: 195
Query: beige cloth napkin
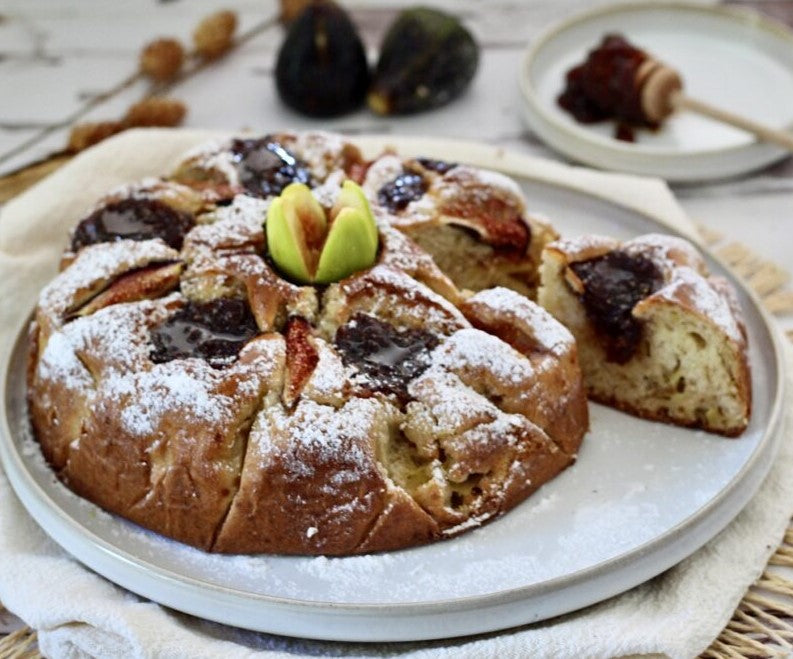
x: 79, y: 614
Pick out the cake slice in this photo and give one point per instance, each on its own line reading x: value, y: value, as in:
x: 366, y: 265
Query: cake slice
x: 657, y: 336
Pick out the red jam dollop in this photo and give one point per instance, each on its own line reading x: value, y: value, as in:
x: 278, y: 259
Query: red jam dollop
x: 604, y: 87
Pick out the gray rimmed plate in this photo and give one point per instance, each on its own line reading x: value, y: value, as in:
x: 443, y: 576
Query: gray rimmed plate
x: 641, y: 497
x: 730, y: 57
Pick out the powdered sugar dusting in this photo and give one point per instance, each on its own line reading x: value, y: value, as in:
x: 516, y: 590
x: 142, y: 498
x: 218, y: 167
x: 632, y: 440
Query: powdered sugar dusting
x: 116, y: 337
x: 545, y: 329
x: 695, y: 292
x: 416, y: 299
x: 226, y: 235
x: 474, y: 349
x: 669, y: 251
x: 327, y: 381
x: 494, y: 181
x: 215, y: 155
x: 244, y: 209
x: 453, y: 406
x: 402, y: 253
x: 470, y: 523
x: 98, y: 263
x: 584, y: 247
x: 59, y: 364
x: 233, y: 227
x: 329, y: 436
x: 321, y: 151
x: 167, y: 390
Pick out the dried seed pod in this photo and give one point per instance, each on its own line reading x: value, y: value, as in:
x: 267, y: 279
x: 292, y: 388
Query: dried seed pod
x: 162, y: 59
x: 155, y: 111
x: 214, y: 35
x: 84, y: 135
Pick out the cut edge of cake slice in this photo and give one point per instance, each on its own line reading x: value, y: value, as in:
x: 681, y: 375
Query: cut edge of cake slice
x: 658, y: 337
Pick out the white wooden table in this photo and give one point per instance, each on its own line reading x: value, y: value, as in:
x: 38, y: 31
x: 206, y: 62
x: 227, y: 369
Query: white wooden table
x: 55, y: 54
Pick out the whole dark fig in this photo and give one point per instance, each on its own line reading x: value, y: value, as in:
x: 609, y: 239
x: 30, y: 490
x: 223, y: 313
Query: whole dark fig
x: 427, y: 59
x: 321, y: 68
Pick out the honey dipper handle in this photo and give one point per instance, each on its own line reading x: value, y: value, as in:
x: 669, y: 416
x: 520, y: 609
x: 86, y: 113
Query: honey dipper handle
x: 680, y: 101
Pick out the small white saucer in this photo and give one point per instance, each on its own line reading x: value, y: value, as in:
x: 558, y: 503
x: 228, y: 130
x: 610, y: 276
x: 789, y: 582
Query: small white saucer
x: 730, y: 57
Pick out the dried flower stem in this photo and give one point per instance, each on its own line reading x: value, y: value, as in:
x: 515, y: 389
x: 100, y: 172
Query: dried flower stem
x: 198, y: 65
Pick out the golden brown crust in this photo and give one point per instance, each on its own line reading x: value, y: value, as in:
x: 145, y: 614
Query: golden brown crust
x: 473, y: 223
x: 164, y: 447
x: 402, y: 523
x: 284, y: 491
x: 146, y: 283
x: 293, y: 445
x: 552, y: 351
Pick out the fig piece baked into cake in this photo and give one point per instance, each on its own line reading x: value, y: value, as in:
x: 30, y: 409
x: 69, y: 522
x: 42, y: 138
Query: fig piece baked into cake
x: 657, y: 335
x: 179, y: 379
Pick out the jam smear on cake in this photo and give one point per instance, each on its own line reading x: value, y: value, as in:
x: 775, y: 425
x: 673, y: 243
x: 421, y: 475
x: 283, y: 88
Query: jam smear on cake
x: 440, y: 166
x: 613, y: 284
x: 397, y: 194
x: 215, y: 331
x: 133, y: 219
x: 265, y: 167
x: 388, y: 358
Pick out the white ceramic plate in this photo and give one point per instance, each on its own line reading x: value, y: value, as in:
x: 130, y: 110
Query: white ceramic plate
x: 730, y: 57
x: 641, y: 497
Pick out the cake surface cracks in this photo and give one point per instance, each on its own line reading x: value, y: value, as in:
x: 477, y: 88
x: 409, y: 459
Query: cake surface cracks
x: 184, y: 384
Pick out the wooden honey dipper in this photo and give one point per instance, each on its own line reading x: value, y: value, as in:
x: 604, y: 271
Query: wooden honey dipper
x: 620, y: 81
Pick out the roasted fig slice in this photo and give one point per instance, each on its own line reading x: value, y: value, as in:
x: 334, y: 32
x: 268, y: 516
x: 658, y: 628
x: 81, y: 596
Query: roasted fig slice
x: 146, y: 283
x: 427, y: 59
x: 321, y: 68
x: 301, y: 358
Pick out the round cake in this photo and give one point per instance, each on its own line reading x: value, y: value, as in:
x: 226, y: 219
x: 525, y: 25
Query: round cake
x: 180, y: 376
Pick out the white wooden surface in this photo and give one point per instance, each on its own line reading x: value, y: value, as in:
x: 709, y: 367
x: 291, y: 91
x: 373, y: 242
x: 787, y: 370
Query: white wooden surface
x: 55, y: 54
